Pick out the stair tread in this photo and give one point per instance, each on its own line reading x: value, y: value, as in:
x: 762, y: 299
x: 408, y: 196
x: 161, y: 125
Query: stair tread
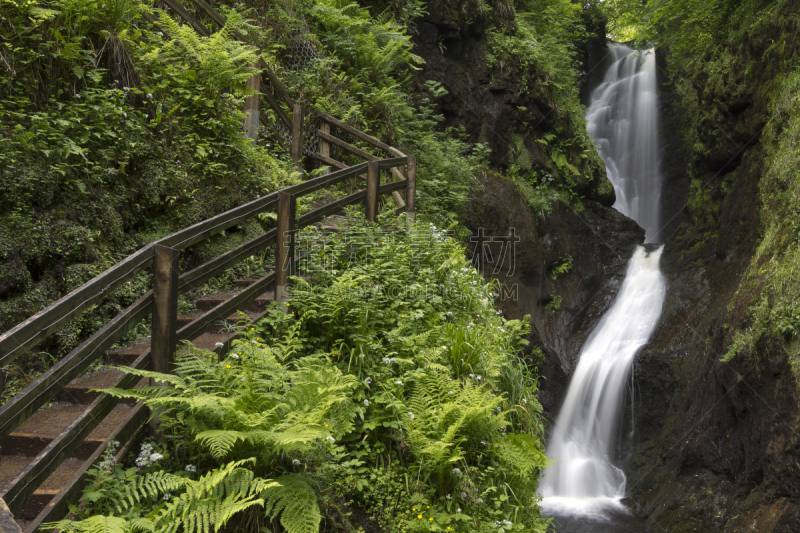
x: 61, y: 476
x: 138, y: 347
x: 10, y: 466
x: 208, y: 341
x: 98, y: 379
x: 50, y: 422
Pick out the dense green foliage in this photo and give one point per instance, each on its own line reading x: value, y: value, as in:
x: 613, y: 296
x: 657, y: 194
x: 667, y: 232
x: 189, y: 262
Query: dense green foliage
x: 390, y: 395
x: 542, y: 48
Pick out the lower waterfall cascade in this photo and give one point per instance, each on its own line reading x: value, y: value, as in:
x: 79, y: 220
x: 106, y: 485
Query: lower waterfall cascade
x: 623, y: 120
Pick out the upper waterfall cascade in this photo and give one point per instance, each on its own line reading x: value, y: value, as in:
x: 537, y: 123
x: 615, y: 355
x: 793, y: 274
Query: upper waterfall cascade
x: 623, y: 121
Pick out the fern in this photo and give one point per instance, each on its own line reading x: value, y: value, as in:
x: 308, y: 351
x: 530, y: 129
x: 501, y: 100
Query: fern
x: 204, y: 506
x: 219, y: 60
x: 295, y: 502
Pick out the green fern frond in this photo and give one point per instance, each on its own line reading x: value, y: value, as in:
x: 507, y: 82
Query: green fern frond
x: 295, y: 502
x: 220, y: 441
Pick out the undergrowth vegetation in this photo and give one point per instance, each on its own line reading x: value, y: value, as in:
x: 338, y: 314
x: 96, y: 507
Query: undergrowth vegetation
x: 390, y: 395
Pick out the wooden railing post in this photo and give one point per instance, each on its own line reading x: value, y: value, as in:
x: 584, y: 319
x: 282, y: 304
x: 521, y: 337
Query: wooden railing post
x: 373, y: 181
x: 411, y: 187
x: 284, y: 256
x: 252, y: 108
x: 324, y: 146
x: 165, y: 308
x: 296, y: 150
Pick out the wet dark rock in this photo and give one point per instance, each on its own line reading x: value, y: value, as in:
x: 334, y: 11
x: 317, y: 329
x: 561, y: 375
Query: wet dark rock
x: 492, y: 103
x: 597, y: 240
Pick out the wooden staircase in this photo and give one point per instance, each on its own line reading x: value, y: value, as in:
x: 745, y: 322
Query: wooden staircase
x: 20, y: 447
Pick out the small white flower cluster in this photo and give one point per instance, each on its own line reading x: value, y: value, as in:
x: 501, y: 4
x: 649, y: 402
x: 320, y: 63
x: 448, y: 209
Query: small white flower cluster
x: 253, y: 342
x: 458, y: 510
x: 296, y: 462
x: 367, y: 380
x: 219, y: 344
x: 109, y: 455
x: 411, y: 415
x: 475, y: 377
x: 167, y: 496
x: 479, y: 500
x: 330, y: 439
x: 463, y: 495
x: 191, y: 469
x: 388, y: 360
x: 147, y: 457
x: 456, y: 471
x: 503, y: 524
x: 234, y: 356
x: 449, y: 497
x: 398, y: 382
x: 366, y: 402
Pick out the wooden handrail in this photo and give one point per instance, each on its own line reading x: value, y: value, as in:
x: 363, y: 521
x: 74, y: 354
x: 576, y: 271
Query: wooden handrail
x: 360, y: 134
x: 46, y: 386
x: 346, y: 146
x: 44, y: 323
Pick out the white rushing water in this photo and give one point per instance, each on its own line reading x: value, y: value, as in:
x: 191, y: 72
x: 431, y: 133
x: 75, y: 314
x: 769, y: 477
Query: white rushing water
x: 622, y: 118
x: 623, y: 121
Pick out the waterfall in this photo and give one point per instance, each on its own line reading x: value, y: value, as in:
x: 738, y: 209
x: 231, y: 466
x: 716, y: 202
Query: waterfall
x: 622, y: 119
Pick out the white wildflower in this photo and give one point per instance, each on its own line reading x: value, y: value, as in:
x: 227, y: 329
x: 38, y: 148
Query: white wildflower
x: 449, y: 497
x: 234, y: 356
x: 366, y: 403
x: 191, y: 468
x: 411, y: 415
x: 330, y: 439
x: 456, y: 472
x: 296, y: 462
x: 367, y: 380
x: 398, y: 382
x: 219, y: 344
